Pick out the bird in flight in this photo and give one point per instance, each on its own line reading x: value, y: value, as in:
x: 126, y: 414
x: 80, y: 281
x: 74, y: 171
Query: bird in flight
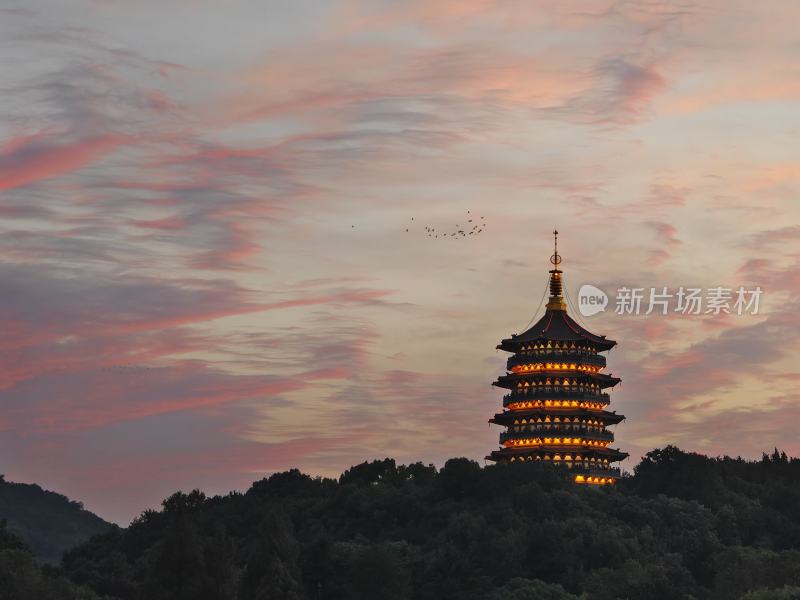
x: 459, y: 232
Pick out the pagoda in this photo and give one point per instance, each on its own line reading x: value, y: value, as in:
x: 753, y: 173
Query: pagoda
x: 555, y: 410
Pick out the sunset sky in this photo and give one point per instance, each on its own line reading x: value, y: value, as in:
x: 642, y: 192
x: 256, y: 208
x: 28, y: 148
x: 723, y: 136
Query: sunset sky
x: 206, y: 275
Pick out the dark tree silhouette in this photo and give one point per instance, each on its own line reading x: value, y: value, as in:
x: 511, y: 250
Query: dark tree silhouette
x: 683, y: 527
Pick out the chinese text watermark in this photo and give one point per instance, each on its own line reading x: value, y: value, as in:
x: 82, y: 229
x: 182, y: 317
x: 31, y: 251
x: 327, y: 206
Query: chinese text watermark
x: 683, y: 300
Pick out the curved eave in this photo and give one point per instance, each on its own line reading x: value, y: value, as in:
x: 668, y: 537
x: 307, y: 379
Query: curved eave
x: 612, y: 454
x: 610, y: 418
x: 604, y: 380
x: 556, y: 326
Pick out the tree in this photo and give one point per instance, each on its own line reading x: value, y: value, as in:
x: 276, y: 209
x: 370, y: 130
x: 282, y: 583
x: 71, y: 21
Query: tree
x: 787, y: 592
x: 377, y: 471
x: 23, y: 578
x: 530, y: 589
x: 272, y: 571
x: 460, y: 477
x: 683, y: 527
x: 377, y: 571
x: 178, y: 570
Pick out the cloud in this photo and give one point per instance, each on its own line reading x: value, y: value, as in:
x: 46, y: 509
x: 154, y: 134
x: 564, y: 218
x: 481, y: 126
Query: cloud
x: 666, y: 239
x: 54, y: 322
x: 773, y: 238
x: 66, y: 402
x: 619, y: 93
x: 676, y: 392
x: 29, y: 159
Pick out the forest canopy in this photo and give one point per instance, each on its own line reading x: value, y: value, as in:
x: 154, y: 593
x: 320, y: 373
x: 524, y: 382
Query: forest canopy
x: 682, y: 526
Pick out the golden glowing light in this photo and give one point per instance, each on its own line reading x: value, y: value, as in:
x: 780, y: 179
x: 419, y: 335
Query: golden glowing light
x: 558, y: 346
x: 554, y: 404
x: 555, y: 441
x: 536, y: 367
x: 558, y: 382
x: 595, y: 480
x: 556, y: 419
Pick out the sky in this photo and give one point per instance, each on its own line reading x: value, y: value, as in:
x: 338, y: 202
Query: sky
x: 205, y: 273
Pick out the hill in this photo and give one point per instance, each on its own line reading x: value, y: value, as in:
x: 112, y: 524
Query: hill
x: 23, y: 577
x: 48, y: 522
x: 684, y: 526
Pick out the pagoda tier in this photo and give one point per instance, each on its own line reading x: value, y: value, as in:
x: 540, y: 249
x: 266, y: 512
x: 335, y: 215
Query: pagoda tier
x: 545, y: 376
x: 555, y: 410
x: 536, y: 418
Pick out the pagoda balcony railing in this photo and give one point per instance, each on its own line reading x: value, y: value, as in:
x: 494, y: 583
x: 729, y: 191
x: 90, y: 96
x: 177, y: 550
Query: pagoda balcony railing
x: 550, y: 356
x: 599, y: 435
x: 561, y: 352
x: 586, y: 468
x: 548, y: 392
x: 539, y: 383
x: 605, y: 436
x: 595, y: 470
x: 526, y: 431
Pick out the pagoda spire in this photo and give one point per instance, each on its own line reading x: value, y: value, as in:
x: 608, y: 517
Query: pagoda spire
x: 556, y: 301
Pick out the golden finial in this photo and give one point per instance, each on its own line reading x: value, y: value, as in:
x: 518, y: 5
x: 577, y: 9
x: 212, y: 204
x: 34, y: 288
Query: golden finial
x: 556, y: 301
x: 555, y: 259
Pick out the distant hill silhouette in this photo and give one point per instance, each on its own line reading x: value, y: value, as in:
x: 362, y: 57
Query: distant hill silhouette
x: 683, y: 527
x: 24, y: 577
x: 48, y: 522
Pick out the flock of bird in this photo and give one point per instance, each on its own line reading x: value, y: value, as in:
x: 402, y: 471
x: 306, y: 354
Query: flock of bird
x: 474, y: 226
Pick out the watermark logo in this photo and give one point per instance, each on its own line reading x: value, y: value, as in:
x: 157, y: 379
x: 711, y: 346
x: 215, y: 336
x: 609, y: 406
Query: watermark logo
x: 591, y: 300
x: 684, y: 300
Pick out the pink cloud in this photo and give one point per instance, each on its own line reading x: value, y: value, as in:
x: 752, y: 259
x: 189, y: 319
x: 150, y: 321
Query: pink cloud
x: 666, y: 238
x: 146, y: 392
x: 770, y: 88
x: 366, y: 296
x: 29, y: 159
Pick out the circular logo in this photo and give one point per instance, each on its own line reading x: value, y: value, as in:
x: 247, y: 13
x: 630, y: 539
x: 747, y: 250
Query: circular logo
x: 591, y: 300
